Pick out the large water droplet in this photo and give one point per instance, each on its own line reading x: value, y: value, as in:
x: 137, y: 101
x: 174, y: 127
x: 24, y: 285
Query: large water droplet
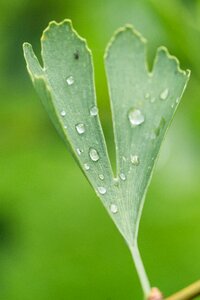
x: 93, y: 111
x: 113, y: 208
x: 164, y: 94
x: 135, y: 160
x: 94, y: 155
x: 80, y: 128
x: 86, y: 166
x: 63, y: 113
x: 135, y: 117
x: 70, y: 80
x: 122, y: 176
x: 102, y: 190
x: 101, y: 176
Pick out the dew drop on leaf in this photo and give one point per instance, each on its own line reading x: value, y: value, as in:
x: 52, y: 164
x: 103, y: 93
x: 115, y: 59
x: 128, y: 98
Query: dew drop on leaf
x: 79, y: 151
x: 101, y: 176
x: 80, y: 128
x: 102, y: 190
x: 135, y: 160
x: 135, y: 117
x: 70, y: 80
x: 86, y: 166
x: 94, y: 155
x: 152, y: 99
x: 122, y: 176
x: 164, y: 94
x: 113, y: 208
x: 93, y: 111
x: 63, y: 113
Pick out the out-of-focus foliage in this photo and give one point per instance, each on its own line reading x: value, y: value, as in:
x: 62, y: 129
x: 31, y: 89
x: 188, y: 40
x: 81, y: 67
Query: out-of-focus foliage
x: 56, y: 241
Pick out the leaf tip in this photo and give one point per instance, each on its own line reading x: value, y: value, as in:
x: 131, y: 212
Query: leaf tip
x: 67, y: 23
x: 126, y: 29
x: 164, y: 51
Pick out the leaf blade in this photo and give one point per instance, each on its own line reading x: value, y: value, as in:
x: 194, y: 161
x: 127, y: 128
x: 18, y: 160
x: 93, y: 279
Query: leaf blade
x: 142, y: 105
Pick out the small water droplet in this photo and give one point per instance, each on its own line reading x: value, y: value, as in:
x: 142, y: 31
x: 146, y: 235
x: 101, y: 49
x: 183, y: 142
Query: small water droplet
x: 79, y: 151
x: 164, y: 94
x: 135, y: 117
x: 94, y: 155
x: 124, y: 158
x: 101, y: 176
x: 65, y: 126
x: 70, y: 80
x: 152, y: 99
x: 122, y: 176
x: 94, y: 111
x: 102, y: 190
x: 177, y: 100
x: 135, y: 160
x: 86, y: 166
x: 113, y: 208
x: 147, y: 95
x: 80, y: 128
x: 172, y: 105
x: 63, y: 113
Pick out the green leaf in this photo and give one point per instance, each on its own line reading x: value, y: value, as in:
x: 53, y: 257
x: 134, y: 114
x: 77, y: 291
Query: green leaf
x: 143, y: 104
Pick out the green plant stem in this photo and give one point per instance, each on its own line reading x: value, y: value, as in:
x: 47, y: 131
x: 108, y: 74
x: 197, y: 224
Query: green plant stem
x: 188, y: 293
x: 140, y: 270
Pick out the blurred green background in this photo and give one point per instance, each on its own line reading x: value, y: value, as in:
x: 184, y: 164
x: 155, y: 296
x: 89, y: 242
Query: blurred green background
x: 56, y: 240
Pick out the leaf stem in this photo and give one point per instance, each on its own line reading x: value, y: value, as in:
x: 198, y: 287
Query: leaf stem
x: 187, y: 293
x: 140, y: 270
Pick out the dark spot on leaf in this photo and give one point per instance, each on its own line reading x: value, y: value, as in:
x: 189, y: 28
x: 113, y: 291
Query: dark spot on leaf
x: 76, y: 55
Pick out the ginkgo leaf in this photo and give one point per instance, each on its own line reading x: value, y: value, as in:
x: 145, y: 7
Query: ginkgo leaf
x: 143, y: 104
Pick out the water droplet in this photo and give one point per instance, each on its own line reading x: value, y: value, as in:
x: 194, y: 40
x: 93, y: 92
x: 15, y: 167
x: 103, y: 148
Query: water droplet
x: 79, y: 151
x: 94, y: 111
x: 65, y: 126
x: 122, y: 176
x: 70, y: 80
x: 135, y: 160
x: 113, y: 208
x: 101, y: 176
x: 135, y: 117
x: 63, y: 113
x: 147, y: 95
x: 152, y: 99
x: 164, y: 94
x: 177, y: 100
x: 80, y: 128
x: 124, y: 158
x: 86, y: 166
x: 94, y: 155
x: 172, y: 105
x: 102, y: 190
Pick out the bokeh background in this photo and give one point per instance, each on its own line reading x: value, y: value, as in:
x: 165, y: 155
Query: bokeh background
x: 56, y: 240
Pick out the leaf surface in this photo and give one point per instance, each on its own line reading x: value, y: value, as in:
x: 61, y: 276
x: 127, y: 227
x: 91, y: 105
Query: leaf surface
x: 142, y: 103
